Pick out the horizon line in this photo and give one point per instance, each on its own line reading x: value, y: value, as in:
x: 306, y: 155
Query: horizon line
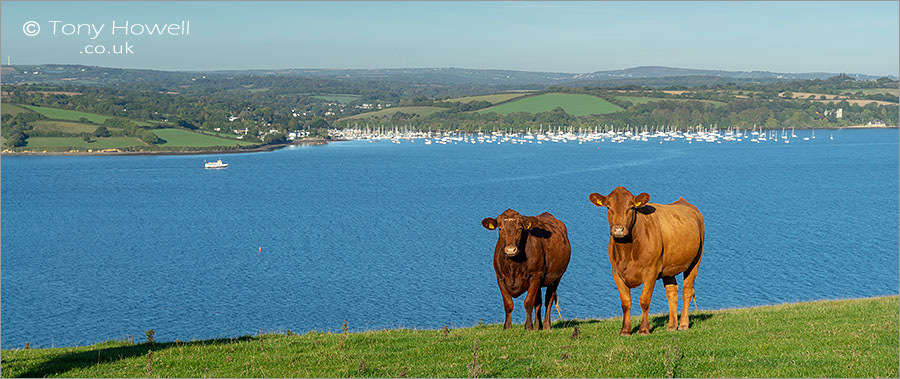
x: 450, y: 67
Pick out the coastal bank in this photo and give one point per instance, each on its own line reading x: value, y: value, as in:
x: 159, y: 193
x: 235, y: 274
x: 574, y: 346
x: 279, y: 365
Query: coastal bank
x: 836, y: 338
x: 116, y: 152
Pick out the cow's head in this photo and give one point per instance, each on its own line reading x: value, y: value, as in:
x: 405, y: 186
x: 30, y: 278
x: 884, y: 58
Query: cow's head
x: 620, y: 205
x: 511, y: 226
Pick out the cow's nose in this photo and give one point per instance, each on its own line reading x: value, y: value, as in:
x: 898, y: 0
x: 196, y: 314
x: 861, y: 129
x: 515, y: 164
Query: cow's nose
x: 511, y: 250
x: 618, y: 231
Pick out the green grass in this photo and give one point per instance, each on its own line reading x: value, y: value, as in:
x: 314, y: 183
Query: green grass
x: 65, y: 126
x: 645, y: 100
x: 12, y: 109
x: 873, y: 91
x: 68, y: 115
x: 55, y: 143
x: 578, y: 105
x: 386, y: 114
x: 848, y: 338
x: 184, y: 138
x: 493, y: 99
x: 338, y: 97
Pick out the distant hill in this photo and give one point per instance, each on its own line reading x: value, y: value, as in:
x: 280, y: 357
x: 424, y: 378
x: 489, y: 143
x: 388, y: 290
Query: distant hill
x: 646, y: 75
x: 474, y: 76
x: 449, y: 75
x: 661, y: 72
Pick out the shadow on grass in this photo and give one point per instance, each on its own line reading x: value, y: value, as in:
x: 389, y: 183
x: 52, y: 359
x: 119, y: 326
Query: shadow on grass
x: 663, y: 321
x: 572, y: 323
x: 61, y: 364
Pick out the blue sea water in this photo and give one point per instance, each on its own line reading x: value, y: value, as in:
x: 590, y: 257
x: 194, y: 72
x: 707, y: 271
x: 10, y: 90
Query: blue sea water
x: 385, y: 235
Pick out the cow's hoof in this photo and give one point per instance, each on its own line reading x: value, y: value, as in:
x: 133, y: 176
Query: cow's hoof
x: 546, y: 326
x: 644, y: 332
x: 624, y: 333
x: 683, y: 327
x: 672, y: 328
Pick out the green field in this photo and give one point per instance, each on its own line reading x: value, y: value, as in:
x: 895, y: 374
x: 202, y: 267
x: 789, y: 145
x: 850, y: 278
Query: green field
x: 578, y: 105
x: 645, y: 100
x: 55, y: 143
x: 184, y: 138
x: 847, y: 338
x: 65, y: 114
x: 493, y: 99
x: 65, y: 126
x: 338, y: 97
x: 11, y: 109
x: 873, y: 91
x: 386, y: 114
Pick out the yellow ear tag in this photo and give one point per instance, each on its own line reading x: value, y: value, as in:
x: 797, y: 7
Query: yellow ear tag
x: 528, y: 226
x: 491, y: 226
x: 638, y: 204
x: 599, y: 202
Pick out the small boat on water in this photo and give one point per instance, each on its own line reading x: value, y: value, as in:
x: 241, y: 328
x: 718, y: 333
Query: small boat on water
x: 216, y: 164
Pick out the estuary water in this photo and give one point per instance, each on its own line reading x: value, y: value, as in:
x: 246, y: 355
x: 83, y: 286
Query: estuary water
x: 387, y: 235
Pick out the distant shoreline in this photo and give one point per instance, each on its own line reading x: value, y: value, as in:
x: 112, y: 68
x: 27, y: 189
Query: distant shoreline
x: 169, y: 152
x: 869, y: 127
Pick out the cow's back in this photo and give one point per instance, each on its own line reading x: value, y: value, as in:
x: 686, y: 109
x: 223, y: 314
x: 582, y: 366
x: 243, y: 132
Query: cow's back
x: 681, y: 233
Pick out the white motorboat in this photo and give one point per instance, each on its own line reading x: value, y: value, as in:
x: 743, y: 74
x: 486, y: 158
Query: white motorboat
x: 216, y: 164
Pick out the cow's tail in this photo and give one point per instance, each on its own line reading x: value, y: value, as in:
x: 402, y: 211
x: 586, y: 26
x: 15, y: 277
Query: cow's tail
x: 556, y: 300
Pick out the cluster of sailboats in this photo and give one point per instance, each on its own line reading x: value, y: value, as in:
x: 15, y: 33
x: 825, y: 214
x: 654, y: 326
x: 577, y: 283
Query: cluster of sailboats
x: 572, y: 136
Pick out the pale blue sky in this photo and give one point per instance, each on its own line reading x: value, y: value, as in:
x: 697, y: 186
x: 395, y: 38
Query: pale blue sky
x: 855, y: 37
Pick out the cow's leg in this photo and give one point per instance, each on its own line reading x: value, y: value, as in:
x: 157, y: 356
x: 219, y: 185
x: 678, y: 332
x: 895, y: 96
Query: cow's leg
x: 533, y: 290
x: 508, y: 308
x: 507, y: 303
x: 688, y: 292
x: 646, y: 294
x: 551, y: 297
x: 672, y: 296
x: 625, y: 297
x: 537, y: 309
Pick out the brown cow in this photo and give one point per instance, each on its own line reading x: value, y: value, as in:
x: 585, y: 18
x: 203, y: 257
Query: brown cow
x: 649, y: 242
x: 531, y: 252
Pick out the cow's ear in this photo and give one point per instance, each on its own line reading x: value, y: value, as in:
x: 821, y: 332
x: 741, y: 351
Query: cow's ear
x: 489, y: 223
x: 531, y: 222
x: 641, y: 199
x: 597, y: 199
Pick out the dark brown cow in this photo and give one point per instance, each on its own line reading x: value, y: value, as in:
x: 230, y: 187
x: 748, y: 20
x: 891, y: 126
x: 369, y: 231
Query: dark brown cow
x: 648, y: 242
x: 531, y: 252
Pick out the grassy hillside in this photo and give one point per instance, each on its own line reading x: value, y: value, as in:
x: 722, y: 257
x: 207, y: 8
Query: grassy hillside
x: 873, y: 91
x: 65, y: 126
x: 386, y: 114
x: 65, y: 114
x: 184, y: 138
x: 578, y: 105
x: 645, y: 100
x: 63, y: 143
x: 848, y: 338
x: 493, y: 99
x: 11, y: 109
